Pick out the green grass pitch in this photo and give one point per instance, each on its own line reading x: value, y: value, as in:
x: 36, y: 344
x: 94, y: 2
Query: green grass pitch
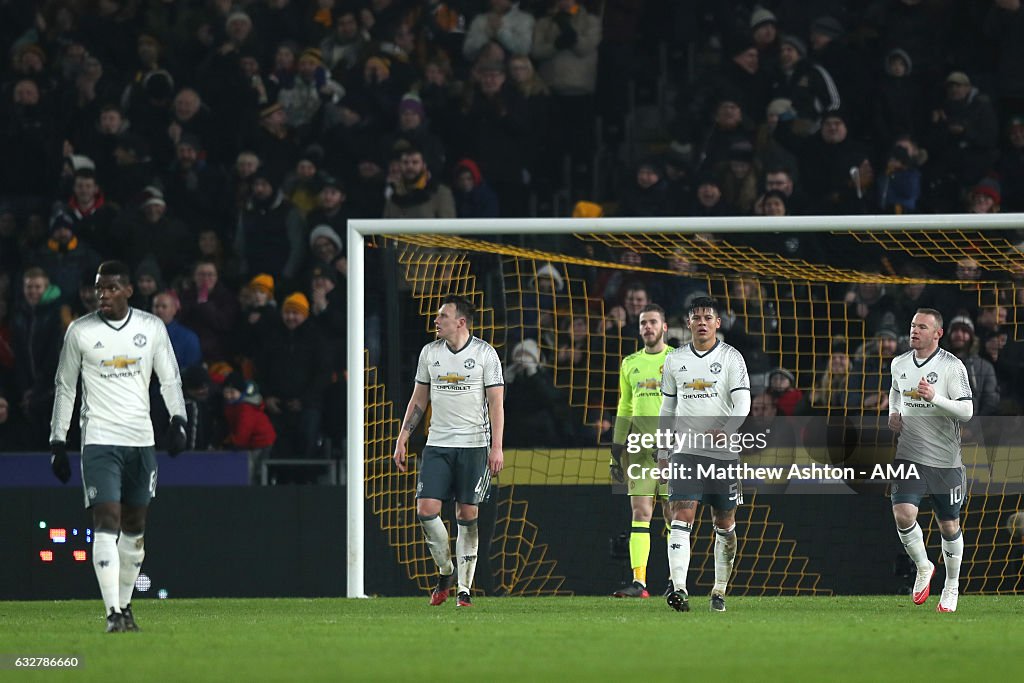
x: 404, y: 639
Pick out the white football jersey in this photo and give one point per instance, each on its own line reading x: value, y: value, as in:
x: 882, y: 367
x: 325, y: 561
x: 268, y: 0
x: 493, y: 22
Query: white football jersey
x: 458, y: 382
x: 929, y: 437
x: 115, y: 363
x: 703, y: 385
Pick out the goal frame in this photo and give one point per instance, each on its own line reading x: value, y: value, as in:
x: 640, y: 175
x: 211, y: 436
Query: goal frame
x: 359, y: 229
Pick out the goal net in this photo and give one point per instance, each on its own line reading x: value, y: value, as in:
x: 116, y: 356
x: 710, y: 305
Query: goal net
x: 817, y: 306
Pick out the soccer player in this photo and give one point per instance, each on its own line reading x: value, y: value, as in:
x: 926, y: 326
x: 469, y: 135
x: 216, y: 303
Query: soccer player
x: 930, y: 397
x: 638, y: 411
x: 460, y: 376
x: 115, y: 350
x: 706, y: 399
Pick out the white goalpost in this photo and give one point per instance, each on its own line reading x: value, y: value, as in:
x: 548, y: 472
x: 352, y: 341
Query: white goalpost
x: 359, y: 229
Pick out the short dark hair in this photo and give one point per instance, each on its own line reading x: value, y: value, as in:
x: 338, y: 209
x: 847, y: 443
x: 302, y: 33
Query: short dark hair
x: 702, y: 302
x: 464, y: 308
x: 634, y: 286
x: 933, y: 313
x: 33, y: 273
x: 654, y: 308
x: 116, y: 269
x: 206, y: 261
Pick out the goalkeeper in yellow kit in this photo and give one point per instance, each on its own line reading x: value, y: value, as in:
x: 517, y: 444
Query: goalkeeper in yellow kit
x: 639, y: 407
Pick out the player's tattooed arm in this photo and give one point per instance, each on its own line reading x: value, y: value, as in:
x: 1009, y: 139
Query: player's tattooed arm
x: 413, y: 419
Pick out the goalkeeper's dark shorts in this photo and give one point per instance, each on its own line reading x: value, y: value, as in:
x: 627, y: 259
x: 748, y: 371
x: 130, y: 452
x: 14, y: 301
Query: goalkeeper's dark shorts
x: 459, y: 473
x: 945, y: 486
x: 118, y: 474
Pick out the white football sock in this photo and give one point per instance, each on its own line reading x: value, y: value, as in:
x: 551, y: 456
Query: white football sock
x: 668, y: 545
x: 437, y: 540
x: 679, y: 554
x: 466, y: 547
x: 725, y: 554
x: 105, y: 562
x: 913, y: 541
x: 131, y: 551
x: 953, y: 555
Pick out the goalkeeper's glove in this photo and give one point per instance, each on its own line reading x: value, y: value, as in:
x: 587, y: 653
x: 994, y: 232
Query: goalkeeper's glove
x: 615, y: 466
x: 59, y: 461
x: 177, y: 435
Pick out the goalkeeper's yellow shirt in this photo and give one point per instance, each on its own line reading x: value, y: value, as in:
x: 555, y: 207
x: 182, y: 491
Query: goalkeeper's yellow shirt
x: 639, y: 393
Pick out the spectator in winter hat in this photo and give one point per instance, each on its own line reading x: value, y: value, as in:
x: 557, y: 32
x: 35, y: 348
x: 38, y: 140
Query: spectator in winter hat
x: 474, y: 198
x: 985, y: 197
x: 764, y: 30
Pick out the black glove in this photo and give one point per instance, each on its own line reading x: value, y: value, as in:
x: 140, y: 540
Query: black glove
x: 615, y: 467
x: 59, y: 461
x: 177, y: 435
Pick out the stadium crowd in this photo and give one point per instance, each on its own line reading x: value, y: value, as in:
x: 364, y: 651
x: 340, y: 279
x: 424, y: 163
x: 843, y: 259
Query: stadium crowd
x: 220, y: 148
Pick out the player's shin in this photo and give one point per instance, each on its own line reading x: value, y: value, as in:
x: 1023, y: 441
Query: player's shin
x: 107, y: 565
x: 952, y: 556
x: 640, y: 550
x: 913, y: 541
x: 131, y: 551
x: 437, y: 540
x: 679, y: 554
x: 725, y: 555
x: 466, y: 547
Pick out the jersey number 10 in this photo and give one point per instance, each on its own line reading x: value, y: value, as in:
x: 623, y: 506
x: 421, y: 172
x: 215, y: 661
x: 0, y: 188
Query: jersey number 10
x: 956, y: 495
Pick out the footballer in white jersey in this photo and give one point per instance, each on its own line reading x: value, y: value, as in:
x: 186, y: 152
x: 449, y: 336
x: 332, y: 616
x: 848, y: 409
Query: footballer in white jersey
x: 929, y: 435
x: 705, y: 386
x: 706, y: 399
x: 930, y: 397
x: 460, y: 376
x: 115, y: 362
x: 114, y: 352
x: 458, y: 382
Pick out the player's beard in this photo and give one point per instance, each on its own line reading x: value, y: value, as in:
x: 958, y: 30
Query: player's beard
x: 657, y: 340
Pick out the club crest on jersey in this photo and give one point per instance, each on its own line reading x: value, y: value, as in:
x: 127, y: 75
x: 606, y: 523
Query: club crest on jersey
x: 469, y: 364
x: 119, y: 362
x: 139, y: 340
x: 716, y: 368
x: 700, y: 384
x: 91, y: 492
x: 931, y: 378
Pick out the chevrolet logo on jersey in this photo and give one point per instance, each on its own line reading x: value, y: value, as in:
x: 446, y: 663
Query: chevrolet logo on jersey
x: 451, y: 378
x: 119, y: 362
x: 699, y: 385
x: 651, y: 384
x: 912, y: 393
